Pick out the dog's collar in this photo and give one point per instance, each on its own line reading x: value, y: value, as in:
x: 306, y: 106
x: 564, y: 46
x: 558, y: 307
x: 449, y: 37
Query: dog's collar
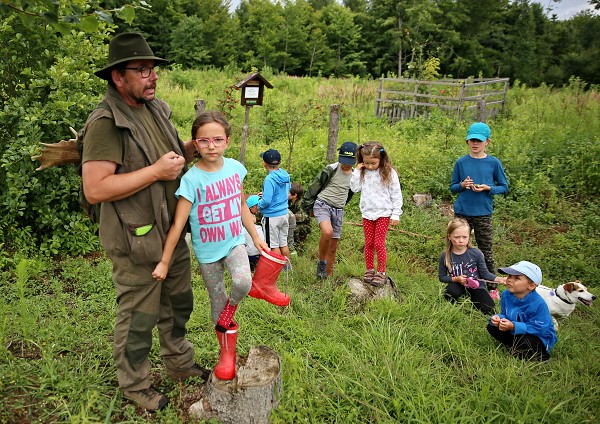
x: 564, y: 300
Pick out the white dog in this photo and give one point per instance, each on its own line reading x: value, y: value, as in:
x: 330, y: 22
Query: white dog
x: 562, y: 300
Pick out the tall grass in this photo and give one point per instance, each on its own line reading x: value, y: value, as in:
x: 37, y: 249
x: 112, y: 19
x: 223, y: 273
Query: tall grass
x: 413, y: 359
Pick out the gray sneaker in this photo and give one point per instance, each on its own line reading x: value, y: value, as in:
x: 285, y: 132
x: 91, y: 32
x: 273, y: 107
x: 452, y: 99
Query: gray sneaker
x: 322, y: 270
x: 150, y: 399
x: 193, y: 371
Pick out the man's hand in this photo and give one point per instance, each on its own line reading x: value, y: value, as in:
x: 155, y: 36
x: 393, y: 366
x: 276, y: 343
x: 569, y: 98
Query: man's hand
x: 169, y: 166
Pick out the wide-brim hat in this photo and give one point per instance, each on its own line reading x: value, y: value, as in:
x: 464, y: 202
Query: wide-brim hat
x: 125, y: 47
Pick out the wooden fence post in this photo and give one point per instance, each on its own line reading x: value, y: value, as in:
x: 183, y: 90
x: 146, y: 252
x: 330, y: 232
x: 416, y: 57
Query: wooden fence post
x: 334, y: 120
x: 244, y: 135
x: 200, y: 106
x: 481, y: 112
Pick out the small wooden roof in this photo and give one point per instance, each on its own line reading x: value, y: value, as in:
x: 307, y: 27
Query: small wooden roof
x: 255, y: 75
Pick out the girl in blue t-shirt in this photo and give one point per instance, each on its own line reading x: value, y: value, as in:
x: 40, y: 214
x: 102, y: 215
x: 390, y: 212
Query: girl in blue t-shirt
x: 211, y: 197
x: 463, y: 269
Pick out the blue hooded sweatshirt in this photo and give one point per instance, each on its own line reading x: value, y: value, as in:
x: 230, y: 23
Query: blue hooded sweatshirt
x: 530, y: 316
x: 274, y: 201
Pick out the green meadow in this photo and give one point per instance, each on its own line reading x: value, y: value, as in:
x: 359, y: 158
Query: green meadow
x: 413, y: 359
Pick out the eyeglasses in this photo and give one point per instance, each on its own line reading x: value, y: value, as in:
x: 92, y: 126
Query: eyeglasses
x: 144, y: 71
x: 216, y: 141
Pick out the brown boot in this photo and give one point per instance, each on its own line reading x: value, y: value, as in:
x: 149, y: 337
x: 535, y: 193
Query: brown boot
x: 150, y: 399
x: 193, y: 371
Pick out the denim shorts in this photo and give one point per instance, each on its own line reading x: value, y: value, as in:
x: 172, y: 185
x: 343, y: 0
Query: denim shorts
x: 325, y: 212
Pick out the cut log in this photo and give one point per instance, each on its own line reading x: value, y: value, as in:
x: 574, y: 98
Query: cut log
x: 61, y: 153
x: 249, y: 397
x: 362, y: 291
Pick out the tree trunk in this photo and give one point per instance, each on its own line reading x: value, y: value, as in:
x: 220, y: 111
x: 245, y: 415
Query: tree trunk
x: 249, y: 397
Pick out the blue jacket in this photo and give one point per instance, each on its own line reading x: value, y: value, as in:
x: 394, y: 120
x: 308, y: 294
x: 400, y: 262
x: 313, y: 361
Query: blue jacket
x: 487, y: 171
x: 530, y: 316
x: 274, y: 200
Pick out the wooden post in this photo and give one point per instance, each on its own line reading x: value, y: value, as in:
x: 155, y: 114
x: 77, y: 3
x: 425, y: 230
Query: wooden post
x: 244, y: 135
x: 334, y: 120
x: 413, y: 107
x: 481, y: 112
x: 378, y: 99
x: 200, y: 106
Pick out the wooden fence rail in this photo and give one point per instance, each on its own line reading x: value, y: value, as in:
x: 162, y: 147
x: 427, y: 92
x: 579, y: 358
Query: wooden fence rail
x: 404, y: 98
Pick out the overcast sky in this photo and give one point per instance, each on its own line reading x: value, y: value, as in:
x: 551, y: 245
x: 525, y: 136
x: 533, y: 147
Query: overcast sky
x: 564, y: 10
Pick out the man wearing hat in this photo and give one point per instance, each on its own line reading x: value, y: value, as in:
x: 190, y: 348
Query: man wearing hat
x: 132, y: 161
x: 326, y: 199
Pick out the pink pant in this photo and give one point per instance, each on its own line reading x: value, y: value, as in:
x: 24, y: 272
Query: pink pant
x: 375, y: 233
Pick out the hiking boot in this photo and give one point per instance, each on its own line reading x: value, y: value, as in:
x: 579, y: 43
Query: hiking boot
x: 193, y: 371
x: 150, y: 399
x: 322, y: 269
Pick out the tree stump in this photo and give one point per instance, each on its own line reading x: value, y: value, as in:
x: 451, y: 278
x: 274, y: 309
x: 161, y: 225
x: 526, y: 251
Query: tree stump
x: 362, y: 291
x: 249, y: 397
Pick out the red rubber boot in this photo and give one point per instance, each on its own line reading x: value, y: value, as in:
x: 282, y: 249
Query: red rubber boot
x: 226, y: 319
x: 264, y: 280
x: 225, y: 369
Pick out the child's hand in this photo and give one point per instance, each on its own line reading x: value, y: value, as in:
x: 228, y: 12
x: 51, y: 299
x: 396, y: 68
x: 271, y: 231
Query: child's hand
x: 462, y: 279
x: 500, y: 280
x: 394, y: 222
x: 261, y: 245
x: 160, y: 272
x: 360, y: 166
x: 495, y: 320
x: 477, y: 188
x: 506, y: 325
x: 467, y: 183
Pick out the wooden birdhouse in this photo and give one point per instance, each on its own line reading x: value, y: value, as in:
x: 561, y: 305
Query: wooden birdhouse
x: 252, y: 88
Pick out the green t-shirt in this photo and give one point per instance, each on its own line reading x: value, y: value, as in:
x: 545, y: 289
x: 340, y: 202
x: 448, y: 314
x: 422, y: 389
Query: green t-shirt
x: 102, y: 142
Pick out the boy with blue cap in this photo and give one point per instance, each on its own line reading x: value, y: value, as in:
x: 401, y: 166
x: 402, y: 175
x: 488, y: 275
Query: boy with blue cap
x: 524, y: 324
x: 477, y: 177
x: 274, y: 203
x: 325, y: 199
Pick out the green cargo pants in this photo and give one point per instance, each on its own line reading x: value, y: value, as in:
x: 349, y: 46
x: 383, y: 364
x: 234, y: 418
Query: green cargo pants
x: 142, y: 306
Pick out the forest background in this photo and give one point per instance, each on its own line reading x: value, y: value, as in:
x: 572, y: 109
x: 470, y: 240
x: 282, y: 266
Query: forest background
x: 405, y: 360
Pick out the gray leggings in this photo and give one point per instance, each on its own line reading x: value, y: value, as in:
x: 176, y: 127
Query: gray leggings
x: 213, y: 274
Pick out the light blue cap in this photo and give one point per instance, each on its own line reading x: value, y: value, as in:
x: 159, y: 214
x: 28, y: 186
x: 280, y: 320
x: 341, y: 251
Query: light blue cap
x: 479, y: 131
x: 252, y: 200
x: 528, y: 269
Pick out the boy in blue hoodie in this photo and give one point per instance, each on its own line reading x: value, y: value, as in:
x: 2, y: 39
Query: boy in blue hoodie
x: 524, y: 324
x: 274, y: 203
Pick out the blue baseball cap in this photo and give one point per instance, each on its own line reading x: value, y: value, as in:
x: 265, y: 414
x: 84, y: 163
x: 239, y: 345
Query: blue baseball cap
x: 347, y: 153
x: 479, y: 131
x: 252, y: 200
x: 271, y: 157
x: 528, y: 269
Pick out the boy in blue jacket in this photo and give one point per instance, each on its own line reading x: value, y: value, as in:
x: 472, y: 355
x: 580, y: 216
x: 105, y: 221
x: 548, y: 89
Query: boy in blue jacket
x: 524, y: 324
x: 273, y: 204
